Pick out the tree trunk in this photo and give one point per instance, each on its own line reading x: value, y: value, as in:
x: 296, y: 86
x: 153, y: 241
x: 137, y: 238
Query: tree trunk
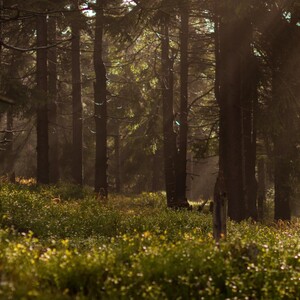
x: 77, y: 171
x: 117, y: 160
x: 231, y: 153
x: 261, y: 176
x: 220, y: 203
x: 249, y: 103
x: 1, y: 30
x: 283, y: 58
x: 8, y: 155
x: 100, y: 89
x: 183, y: 129
x: 42, y: 110
x: 282, y: 158
x: 220, y: 209
x: 169, y: 138
x: 53, y: 131
x: 281, y: 181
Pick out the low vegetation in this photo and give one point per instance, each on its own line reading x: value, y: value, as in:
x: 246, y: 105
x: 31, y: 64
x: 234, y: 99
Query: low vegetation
x: 62, y: 243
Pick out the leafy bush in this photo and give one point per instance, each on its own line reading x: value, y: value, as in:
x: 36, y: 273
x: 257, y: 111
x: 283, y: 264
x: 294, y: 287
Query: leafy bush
x: 137, y: 249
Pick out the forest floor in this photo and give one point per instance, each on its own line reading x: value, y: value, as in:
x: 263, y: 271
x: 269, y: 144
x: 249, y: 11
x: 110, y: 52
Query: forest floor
x: 61, y: 243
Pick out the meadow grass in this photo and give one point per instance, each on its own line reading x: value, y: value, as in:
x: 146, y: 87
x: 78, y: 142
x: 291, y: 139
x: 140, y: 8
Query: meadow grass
x: 136, y: 248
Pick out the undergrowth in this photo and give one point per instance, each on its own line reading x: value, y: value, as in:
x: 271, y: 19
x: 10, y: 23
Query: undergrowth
x: 135, y: 248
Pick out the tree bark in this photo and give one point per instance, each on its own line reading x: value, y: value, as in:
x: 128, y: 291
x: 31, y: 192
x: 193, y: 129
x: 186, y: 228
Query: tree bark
x: 117, y: 160
x: 261, y: 176
x: 169, y: 138
x: 220, y: 203
x: 282, y: 158
x: 249, y: 98
x: 53, y: 131
x: 220, y: 209
x: 100, y: 89
x: 183, y: 129
x: 1, y: 30
x: 42, y: 110
x: 231, y: 154
x: 281, y: 181
x: 77, y: 159
x: 8, y: 155
x: 284, y: 59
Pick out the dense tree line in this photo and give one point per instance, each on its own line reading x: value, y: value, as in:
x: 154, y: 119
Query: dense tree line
x: 121, y: 91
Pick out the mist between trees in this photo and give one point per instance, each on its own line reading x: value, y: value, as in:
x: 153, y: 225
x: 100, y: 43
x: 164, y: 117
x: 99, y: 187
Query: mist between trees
x: 133, y: 96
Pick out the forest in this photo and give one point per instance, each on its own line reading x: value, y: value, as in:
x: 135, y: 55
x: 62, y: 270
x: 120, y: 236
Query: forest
x: 149, y: 149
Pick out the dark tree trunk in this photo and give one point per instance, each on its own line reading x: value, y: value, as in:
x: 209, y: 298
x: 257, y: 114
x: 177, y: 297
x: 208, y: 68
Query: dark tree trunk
x: 117, y: 160
x: 249, y: 102
x: 8, y: 154
x: 183, y: 129
x: 220, y: 203
x: 220, y: 208
x: 77, y: 168
x: 261, y: 176
x: 231, y: 153
x: 281, y: 181
x: 53, y: 131
x: 100, y: 89
x: 284, y: 59
x: 168, y: 116
x: 282, y: 158
x: 1, y: 30
x: 42, y: 110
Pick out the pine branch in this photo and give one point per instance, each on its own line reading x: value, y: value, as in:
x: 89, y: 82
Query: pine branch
x: 11, y: 47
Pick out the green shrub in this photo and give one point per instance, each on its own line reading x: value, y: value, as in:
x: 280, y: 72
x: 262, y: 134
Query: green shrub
x: 136, y: 249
